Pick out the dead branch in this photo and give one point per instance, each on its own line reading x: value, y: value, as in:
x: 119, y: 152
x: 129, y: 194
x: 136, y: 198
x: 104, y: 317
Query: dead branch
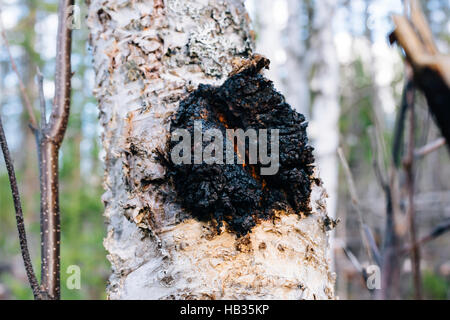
x: 431, y: 68
x: 415, y: 49
x: 391, y: 263
x: 355, y: 262
x: 371, y: 248
x: 377, y: 159
x: 438, y: 231
x: 19, y: 215
x: 409, y: 169
x: 372, y: 244
x: 430, y: 148
x: 399, y: 129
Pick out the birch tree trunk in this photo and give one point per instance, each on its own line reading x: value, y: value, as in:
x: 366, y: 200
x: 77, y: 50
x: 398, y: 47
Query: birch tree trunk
x: 147, y: 56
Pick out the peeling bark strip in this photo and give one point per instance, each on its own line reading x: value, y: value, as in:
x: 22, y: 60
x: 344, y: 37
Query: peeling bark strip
x: 238, y: 192
x: 148, y: 56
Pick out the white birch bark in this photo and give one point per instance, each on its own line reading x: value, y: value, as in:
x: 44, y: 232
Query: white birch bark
x: 147, y: 56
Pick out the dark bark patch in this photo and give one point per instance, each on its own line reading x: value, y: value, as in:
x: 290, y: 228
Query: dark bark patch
x: 437, y: 94
x: 103, y: 16
x: 234, y: 193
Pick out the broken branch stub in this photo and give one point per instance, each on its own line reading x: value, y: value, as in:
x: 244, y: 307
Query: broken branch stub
x: 431, y: 68
x: 237, y: 185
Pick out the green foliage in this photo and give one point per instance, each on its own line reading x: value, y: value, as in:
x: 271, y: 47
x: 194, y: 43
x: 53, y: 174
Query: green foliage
x: 435, y: 287
x: 81, y: 243
x: 357, y: 117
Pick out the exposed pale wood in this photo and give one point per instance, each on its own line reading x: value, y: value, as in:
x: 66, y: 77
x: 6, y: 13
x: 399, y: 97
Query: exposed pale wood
x: 421, y: 53
x: 419, y: 21
x: 430, y: 67
x: 429, y: 148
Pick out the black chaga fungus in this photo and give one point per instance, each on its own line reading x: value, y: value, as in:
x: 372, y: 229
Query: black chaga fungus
x: 237, y: 193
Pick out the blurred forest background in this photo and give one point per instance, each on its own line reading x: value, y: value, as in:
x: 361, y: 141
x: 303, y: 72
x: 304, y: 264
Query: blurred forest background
x: 332, y: 60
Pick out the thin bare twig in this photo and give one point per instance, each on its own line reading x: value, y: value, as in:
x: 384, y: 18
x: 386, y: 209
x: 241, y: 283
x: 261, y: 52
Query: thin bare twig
x: 19, y: 216
x: 372, y: 250
x: 400, y: 124
x: 409, y: 169
x: 372, y: 245
x: 43, y: 107
x: 28, y: 105
x: 379, y: 150
x: 378, y: 158
x: 355, y: 262
x: 438, y: 231
x: 430, y: 148
x: 389, y: 261
x: 431, y: 68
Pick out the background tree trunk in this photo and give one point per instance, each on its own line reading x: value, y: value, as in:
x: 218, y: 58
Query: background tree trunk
x: 297, y: 57
x: 147, y: 56
x: 325, y: 106
x: 268, y: 20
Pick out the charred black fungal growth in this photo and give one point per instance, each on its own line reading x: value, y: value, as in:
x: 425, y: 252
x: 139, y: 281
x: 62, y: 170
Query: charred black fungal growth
x: 236, y: 193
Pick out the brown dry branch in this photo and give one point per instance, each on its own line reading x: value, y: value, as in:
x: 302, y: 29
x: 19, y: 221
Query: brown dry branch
x: 366, y: 234
x: 429, y: 148
x: 397, y: 145
x: 437, y: 231
x: 386, y: 175
x: 19, y: 215
x: 391, y: 264
x: 355, y: 262
x: 52, y: 136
